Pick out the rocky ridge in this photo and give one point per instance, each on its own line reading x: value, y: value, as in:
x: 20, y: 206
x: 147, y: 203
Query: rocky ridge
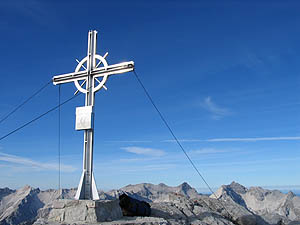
x: 20, y: 207
x: 230, y: 204
x: 271, y: 205
x: 151, y: 192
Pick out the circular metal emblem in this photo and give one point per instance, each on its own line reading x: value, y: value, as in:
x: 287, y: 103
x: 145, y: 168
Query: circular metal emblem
x: 81, y: 65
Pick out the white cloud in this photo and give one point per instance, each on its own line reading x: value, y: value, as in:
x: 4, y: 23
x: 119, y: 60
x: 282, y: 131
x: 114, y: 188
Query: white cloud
x: 130, y: 141
x: 159, y: 167
x: 253, y: 139
x: 144, y: 151
x: 34, y: 164
x: 217, y: 111
x: 252, y: 162
x: 208, y: 151
x: 184, y: 140
x: 247, y: 139
x: 137, y: 160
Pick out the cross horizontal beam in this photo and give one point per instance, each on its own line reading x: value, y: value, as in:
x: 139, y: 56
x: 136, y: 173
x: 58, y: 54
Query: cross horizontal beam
x: 98, y: 72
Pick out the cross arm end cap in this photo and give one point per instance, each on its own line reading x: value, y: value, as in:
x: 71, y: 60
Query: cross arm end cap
x: 131, y: 64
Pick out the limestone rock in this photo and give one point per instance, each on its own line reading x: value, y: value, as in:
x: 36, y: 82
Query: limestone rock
x: 230, y: 204
x: 272, y: 207
x: 50, y: 195
x: 20, y: 207
x: 84, y: 211
x: 5, y: 191
x: 138, y: 220
x: 153, y: 193
x: 181, y: 210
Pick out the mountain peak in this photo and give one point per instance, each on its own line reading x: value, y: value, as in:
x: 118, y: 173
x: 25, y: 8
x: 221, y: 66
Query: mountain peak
x: 272, y: 206
x: 25, y: 189
x: 290, y: 194
x: 185, y: 186
x: 238, y: 188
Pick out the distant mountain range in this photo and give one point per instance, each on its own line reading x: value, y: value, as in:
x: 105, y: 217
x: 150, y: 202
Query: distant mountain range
x: 230, y: 204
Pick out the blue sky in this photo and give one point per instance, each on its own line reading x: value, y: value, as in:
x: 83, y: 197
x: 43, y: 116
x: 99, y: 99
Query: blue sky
x: 225, y: 74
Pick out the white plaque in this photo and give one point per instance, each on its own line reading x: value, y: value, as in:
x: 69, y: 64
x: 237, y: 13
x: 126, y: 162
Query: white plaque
x: 84, y: 118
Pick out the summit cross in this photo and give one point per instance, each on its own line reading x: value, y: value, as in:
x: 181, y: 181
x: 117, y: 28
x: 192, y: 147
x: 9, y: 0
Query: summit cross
x: 88, y: 70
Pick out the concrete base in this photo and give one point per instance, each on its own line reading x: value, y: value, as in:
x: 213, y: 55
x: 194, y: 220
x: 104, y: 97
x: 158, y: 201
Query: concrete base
x: 82, y: 211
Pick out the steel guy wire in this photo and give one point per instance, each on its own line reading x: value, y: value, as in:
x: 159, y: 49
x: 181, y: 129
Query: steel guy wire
x: 38, y: 117
x: 27, y: 100
x: 176, y: 139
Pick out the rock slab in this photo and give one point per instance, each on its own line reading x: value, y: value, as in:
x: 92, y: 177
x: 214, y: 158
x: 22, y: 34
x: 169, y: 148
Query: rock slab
x: 79, y: 211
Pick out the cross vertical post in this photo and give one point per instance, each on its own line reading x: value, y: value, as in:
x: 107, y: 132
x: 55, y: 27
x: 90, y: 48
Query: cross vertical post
x: 87, y: 186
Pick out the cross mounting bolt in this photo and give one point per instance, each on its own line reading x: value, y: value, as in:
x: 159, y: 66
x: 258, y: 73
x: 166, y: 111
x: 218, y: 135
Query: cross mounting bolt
x: 131, y: 65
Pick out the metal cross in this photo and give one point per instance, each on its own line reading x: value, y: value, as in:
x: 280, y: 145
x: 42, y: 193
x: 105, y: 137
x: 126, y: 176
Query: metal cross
x: 87, y: 72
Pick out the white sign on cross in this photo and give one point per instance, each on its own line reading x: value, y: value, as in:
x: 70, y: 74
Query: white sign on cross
x: 88, y: 70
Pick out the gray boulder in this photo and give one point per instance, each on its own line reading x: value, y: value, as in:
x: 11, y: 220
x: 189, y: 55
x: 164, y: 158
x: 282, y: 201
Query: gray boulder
x: 134, y: 207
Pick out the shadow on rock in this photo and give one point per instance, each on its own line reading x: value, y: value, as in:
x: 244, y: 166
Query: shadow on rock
x: 251, y: 220
x: 294, y: 223
x: 134, y: 207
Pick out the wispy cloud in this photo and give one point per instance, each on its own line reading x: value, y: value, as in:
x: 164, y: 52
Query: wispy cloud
x: 144, y: 151
x: 216, y: 111
x: 37, y: 11
x: 129, y: 141
x: 185, y: 140
x: 134, y: 160
x: 34, y: 164
x: 208, y: 151
x: 253, y: 139
x: 252, y: 162
x: 237, y: 139
x: 155, y: 167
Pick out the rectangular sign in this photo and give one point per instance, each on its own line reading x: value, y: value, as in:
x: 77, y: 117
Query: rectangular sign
x: 84, y: 118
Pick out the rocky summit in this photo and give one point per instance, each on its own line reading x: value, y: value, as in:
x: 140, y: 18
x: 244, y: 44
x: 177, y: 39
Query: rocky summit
x: 272, y: 206
x: 231, y: 204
